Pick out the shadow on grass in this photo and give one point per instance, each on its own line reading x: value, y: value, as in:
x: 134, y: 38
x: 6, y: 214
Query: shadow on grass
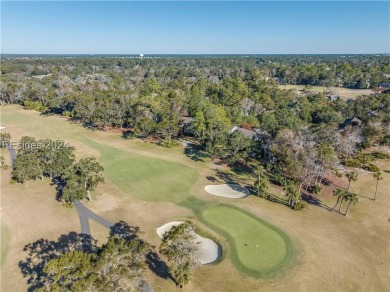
x: 155, y: 264
x: 127, y: 134
x: 123, y: 230
x: 195, y: 152
x: 40, y: 252
x: 158, y: 266
x: 43, y: 250
x: 314, y: 201
x: 272, y: 198
x: 229, y: 177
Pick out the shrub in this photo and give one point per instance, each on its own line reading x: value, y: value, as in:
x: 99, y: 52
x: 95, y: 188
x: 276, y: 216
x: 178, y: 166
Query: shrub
x: 380, y: 155
x: 315, y: 189
x: 352, y: 162
x: 371, y: 167
x: 365, y: 144
x: 300, y: 206
x: 278, y: 178
x: 169, y: 143
x: 385, y: 141
x: 66, y: 113
x: 34, y: 105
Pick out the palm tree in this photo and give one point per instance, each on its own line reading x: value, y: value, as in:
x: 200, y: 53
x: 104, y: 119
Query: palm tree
x: 352, y: 198
x: 261, y: 182
x: 352, y: 176
x: 341, y: 195
x: 292, y: 194
x: 378, y: 176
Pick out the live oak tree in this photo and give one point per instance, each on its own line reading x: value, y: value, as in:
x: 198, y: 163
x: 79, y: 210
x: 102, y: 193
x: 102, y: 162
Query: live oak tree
x: 5, y: 139
x: 80, y: 179
x: 117, y: 266
x: 25, y: 168
x: 179, y: 246
x: 55, y: 161
x: 239, y: 146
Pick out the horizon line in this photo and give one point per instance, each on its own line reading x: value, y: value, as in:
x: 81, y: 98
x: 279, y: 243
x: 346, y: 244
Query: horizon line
x: 231, y: 54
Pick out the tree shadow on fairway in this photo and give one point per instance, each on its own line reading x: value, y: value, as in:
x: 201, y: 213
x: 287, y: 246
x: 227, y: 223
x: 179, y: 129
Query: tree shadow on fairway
x: 230, y: 177
x: 153, y: 261
x: 127, y: 134
x: 195, y: 152
x: 276, y: 199
x: 270, y: 197
x: 43, y: 250
x: 211, y: 178
x: 158, y: 266
x: 314, y: 201
x: 123, y: 230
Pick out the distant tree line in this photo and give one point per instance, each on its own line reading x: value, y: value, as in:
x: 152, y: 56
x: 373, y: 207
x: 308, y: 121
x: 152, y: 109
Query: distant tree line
x: 301, y: 135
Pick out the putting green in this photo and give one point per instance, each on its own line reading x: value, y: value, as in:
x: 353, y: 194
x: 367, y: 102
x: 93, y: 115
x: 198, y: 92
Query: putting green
x: 149, y: 179
x: 257, y: 247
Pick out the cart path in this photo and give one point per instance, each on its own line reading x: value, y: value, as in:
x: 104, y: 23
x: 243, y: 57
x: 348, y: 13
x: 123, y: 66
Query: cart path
x: 12, y: 153
x: 85, y: 214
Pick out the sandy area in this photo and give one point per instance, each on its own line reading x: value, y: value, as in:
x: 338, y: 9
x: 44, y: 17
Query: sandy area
x: 233, y: 191
x: 208, y: 251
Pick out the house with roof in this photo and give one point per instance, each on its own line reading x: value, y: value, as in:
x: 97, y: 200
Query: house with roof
x: 246, y: 132
x: 333, y: 97
x: 185, y: 123
x: 354, y: 122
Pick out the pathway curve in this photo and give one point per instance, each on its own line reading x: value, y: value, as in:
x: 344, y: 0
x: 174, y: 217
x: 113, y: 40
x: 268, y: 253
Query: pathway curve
x: 85, y: 214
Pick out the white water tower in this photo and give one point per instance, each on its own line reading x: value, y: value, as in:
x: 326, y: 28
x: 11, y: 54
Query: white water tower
x: 141, y: 55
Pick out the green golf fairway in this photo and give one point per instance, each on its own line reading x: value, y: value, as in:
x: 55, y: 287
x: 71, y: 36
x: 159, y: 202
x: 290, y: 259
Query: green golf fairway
x: 149, y: 179
x: 257, y: 247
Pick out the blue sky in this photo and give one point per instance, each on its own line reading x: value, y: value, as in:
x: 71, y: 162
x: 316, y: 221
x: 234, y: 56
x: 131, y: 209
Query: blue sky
x: 194, y: 27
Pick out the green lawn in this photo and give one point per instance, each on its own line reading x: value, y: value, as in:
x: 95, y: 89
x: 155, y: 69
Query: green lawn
x: 152, y: 179
x: 245, y: 232
x: 149, y: 179
x: 146, y: 178
x: 5, y: 237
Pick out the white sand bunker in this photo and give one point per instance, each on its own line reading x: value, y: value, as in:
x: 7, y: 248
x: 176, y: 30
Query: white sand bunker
x: 233, y: 191
x: 208, y: 250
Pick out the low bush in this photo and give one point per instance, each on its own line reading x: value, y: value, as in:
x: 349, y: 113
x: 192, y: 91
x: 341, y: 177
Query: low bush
x: 371, y: 167
x: 300, y: 206
x: 315, y: 189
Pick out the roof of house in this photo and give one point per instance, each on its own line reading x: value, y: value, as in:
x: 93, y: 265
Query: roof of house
x: 351, y: 121
x: 247, y: 133
x: 333, y: 97
x: 187, y: 120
